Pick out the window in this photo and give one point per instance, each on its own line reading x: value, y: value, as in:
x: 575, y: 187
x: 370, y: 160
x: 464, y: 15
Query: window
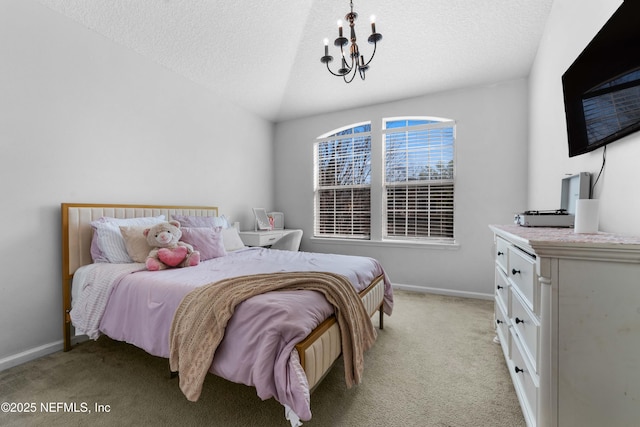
x: 418, y: 181
x: 343, y: 183
x: 412, y: 174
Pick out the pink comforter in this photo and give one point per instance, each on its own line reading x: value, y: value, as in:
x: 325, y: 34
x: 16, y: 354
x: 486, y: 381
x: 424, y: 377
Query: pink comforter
x: 263, y: 331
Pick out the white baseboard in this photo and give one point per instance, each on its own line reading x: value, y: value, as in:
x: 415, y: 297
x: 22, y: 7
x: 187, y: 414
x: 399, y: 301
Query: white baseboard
x: 28, y: 355
x: 440, y: 291
x: 36, y: 353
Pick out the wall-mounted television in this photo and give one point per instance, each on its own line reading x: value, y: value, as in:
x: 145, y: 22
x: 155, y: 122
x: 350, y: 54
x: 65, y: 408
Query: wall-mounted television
x: 602, y: 86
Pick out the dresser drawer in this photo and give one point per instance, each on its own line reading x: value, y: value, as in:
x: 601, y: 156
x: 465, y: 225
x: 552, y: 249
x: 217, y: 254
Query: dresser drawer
x: 502, y: 328
x: 525, y: 382
x: 527, y: 327
x: 502, y: 287
x: 521, y: 271
x: 502, y: 253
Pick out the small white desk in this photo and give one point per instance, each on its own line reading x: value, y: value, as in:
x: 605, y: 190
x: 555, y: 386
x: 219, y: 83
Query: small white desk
x: 263, y: 238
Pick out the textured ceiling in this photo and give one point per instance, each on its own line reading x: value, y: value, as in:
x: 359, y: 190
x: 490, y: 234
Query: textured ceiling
x: 265, y: 54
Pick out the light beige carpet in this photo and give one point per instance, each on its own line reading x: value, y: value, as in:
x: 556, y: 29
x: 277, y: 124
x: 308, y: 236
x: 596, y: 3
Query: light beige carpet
x: 434, y: 364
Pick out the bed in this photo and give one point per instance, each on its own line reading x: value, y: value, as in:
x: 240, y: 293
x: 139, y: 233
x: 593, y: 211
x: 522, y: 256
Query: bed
x: 137, y: 306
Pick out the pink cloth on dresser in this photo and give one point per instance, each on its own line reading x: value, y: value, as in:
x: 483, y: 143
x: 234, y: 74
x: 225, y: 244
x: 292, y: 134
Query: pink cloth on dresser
x: 263, y: 331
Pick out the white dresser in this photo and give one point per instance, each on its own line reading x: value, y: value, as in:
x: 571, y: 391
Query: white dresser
x: 567, y: 313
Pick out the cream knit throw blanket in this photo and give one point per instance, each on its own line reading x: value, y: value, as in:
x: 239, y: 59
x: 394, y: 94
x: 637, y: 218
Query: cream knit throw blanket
x: 200, y: 320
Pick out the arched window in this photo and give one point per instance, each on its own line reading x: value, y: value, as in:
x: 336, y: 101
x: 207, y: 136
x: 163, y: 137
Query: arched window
x: 343, y: 183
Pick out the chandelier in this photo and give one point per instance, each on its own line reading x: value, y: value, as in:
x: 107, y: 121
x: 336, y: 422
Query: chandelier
x: 352, y: 62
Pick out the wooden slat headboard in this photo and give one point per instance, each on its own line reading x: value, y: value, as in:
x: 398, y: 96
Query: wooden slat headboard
x: 77, y: 233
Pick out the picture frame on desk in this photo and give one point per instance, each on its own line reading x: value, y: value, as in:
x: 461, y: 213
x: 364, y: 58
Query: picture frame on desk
x: 262, y: 220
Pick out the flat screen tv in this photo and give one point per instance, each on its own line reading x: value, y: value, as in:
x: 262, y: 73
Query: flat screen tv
x: 602, y: 87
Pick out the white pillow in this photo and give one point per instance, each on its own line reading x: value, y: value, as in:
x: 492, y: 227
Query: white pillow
x: 109, y: 239
x: 231, y: 239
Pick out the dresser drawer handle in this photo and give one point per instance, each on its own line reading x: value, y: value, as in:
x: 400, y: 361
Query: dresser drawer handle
x: 500, y: 253
x: 498, y: 321
x: 514, y: 271
x: 518, y: 370
x: 518, y: 320
x: 500, y: 287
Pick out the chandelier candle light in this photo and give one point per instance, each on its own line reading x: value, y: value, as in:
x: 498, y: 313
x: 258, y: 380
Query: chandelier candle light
x: 355, y: 65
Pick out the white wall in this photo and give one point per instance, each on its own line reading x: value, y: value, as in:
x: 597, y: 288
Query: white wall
x: 571, y: 26
x: 491, y: 174
x: 83, y: 119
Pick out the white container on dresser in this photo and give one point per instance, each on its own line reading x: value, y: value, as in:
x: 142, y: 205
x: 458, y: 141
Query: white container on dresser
x: 567, y: 312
